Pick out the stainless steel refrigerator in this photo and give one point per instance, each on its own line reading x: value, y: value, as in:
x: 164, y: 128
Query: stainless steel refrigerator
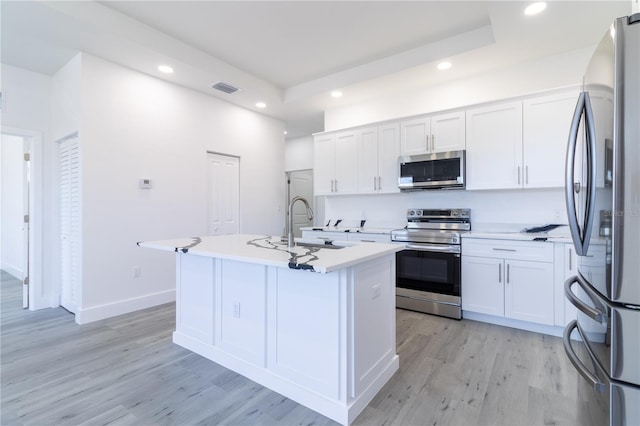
x: 602, y: 192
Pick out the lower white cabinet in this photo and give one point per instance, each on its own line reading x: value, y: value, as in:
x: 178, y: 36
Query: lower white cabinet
x: 499, y: 280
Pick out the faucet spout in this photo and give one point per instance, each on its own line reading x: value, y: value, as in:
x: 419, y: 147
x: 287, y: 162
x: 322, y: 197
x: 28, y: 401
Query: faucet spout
x: 290, y: 218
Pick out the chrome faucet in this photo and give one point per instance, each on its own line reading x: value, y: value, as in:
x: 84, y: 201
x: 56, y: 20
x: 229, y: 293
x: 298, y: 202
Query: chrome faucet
x: 290, y: 218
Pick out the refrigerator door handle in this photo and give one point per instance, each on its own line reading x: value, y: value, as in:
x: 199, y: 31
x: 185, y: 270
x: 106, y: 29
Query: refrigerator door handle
x: 569, y: 184
x: 597, y: 384
x: 596, y: 314
x: 591, y: 173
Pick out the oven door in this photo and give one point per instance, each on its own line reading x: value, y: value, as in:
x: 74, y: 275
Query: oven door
x: 429, y: 268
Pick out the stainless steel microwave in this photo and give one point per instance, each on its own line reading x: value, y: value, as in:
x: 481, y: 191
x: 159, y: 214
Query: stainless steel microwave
x: 442, y: 170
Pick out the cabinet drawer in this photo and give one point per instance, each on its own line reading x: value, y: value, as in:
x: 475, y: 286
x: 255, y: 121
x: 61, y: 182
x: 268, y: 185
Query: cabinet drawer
x: 508, y: 249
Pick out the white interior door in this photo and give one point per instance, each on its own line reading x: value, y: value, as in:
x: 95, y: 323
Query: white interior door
x: 300, y: 184
x: 69, y: 193
x: 223, y: 194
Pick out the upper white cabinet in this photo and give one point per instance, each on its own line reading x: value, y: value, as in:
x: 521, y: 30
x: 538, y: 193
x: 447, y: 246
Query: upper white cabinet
x: 494, y: 146
x: 437, y: 133
x: 378, y: 153
x: 336, y: 163
x: 546, y: 123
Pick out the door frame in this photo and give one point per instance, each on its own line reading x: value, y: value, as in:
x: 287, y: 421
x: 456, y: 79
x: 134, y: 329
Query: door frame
x: 38, y: 297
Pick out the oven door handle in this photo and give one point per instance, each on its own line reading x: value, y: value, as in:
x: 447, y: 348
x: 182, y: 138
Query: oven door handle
x: 435, y: 247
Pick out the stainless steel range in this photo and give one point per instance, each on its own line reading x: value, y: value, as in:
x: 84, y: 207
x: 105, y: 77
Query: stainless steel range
x: 428, y: 270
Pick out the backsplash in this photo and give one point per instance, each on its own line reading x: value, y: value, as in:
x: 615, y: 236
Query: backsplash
x: 510, y: 207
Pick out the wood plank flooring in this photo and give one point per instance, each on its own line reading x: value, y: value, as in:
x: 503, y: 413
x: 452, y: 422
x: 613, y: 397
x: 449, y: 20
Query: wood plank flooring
x: 126, y: 371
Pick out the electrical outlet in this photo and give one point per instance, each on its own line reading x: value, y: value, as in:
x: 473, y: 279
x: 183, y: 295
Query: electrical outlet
x: 558, y: 214
x: 137, y: 271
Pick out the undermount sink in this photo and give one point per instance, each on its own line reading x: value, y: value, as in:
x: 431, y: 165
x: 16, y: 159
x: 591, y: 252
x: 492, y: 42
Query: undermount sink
x: 319, y: 245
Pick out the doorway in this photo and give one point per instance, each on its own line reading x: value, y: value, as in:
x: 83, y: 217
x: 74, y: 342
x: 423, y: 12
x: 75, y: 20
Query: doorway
x: 299, y: 184
x: 223, y: 194
x: 15, y: 211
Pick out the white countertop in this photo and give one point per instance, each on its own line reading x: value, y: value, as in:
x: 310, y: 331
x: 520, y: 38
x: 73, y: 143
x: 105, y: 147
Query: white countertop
x: 514, y: 232
x: 267, y: 250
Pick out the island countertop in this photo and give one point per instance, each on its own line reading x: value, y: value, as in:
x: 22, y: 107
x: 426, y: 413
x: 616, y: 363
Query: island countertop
x: 269, y: 250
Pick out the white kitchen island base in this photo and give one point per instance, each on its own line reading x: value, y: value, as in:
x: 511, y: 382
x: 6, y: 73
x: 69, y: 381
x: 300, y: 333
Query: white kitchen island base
x: 324, y: 340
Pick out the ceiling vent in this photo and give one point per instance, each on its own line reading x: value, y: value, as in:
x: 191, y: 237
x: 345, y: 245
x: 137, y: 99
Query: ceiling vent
x: 224, y: 87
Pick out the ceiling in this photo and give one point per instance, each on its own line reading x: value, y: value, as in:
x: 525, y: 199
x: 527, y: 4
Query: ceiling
x: 292, y: 54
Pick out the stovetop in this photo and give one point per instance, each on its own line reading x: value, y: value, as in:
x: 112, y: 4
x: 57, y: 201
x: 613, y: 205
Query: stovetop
x: 434, y: 226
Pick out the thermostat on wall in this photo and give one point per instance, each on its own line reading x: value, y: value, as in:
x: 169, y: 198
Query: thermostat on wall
x: 145, y: 183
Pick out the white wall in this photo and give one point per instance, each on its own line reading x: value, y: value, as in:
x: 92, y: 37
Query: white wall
x: 12, y: 201
x: 298, y: 153
x: 548, y: 73
x: 137, y: 126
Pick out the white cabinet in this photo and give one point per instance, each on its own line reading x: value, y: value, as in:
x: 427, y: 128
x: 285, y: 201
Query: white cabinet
x: 494, y: 146
x: 437, y: 133
x: 336, y: 163
x: 511, y: 279
x: 546, y: 123
x: 378, y: 152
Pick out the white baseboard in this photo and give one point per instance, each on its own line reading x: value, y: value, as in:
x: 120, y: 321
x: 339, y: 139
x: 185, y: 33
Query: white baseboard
x: 521, y: 325
x: 13, y: 270
x: 96, y: 313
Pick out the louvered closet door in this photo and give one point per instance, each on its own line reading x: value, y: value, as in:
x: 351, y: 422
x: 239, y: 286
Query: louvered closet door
x: 70, y: 223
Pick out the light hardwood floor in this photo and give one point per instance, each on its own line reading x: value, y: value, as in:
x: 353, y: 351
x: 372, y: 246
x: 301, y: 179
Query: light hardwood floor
x: 126, y: 371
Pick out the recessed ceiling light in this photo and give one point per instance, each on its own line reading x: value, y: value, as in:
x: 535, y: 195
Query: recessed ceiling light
x: 444, y: 65
x: 336, y: 93
x: 261, y: 105
x: 535, y: 8
x: 165, y: 69
x: 285, y: 132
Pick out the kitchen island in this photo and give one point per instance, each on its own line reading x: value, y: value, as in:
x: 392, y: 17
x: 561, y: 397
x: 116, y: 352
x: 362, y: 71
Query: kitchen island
x: 313, y: 322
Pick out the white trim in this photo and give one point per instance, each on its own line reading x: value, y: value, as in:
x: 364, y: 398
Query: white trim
x: 40, y: 293
x: 96, y: 313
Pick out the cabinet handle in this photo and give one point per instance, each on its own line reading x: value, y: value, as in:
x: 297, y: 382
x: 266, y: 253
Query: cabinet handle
x: 499, y: 272
x: 518, y: 175
x: 503, y: 249
x: 379, y: 183
x: 331, y: 185
x: 570, y: 256
x: 526, y: 175
x: 336, y: 185
x: 427, y: 136
x: 433, y: 143
x: 507, y: 273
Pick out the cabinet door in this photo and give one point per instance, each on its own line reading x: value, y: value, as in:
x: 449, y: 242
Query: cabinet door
x: 494, y: 146
x: 448, y: 132
x: 415, y: 136
x: 546, y: 123
x: 323, y: 165
x: 388, y: 153
x: 528, y: 291
x: 346, y: 162
x: 368, y: 160
x: 482, y: 285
